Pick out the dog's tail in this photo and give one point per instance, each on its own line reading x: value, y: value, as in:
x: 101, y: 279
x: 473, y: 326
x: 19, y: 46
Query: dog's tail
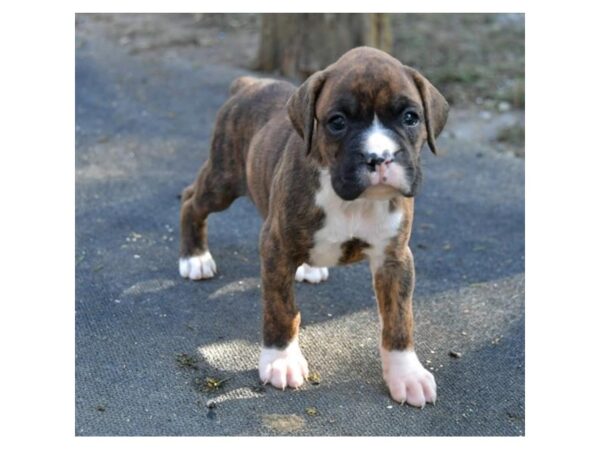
x: 241, y: 83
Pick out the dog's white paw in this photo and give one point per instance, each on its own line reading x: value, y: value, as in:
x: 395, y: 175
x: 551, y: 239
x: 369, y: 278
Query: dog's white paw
x: 283, y: 368
x: 198, y: 267
x: 407, y: 379
x: 311, y: 274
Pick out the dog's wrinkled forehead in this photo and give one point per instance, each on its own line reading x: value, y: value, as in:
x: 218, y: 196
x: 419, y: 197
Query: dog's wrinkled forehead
x: 364, y: 83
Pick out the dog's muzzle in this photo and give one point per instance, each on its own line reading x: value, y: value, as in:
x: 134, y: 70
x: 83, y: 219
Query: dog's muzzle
x: 373, y: 160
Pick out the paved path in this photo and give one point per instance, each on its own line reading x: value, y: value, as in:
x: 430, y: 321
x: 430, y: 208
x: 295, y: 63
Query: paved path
x: 147, y: 339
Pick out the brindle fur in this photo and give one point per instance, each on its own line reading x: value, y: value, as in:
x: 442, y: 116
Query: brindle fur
x: 394, y: 284
x: 353, y: 251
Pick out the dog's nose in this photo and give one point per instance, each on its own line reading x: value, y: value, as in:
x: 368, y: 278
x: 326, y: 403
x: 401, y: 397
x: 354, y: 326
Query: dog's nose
x: 374, y: 160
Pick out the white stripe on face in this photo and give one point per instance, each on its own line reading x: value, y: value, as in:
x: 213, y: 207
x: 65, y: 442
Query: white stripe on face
x: 378, y: 140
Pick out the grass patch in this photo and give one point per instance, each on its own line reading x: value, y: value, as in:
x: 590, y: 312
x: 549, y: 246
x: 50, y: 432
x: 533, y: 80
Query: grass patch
x: 513, y: 138
x: 466, y: 56
x: 514, y: 135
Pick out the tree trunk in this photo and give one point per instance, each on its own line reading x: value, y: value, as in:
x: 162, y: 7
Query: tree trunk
x: 297, y: 45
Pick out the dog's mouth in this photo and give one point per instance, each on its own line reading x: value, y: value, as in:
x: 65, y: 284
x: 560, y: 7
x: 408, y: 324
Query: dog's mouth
x: 384, y: 171
x: 376, y: 176
x: 381, y: 173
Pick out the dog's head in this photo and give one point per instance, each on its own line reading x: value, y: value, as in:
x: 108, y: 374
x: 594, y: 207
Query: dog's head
x: 366, y: 118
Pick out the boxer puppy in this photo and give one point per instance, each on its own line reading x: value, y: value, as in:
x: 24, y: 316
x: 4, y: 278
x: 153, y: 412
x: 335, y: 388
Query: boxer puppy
x: 332, y: 166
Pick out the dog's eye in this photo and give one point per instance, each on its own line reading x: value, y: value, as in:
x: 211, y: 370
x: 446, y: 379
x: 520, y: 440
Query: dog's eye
x: 410, y: 118
x: 337, y: 123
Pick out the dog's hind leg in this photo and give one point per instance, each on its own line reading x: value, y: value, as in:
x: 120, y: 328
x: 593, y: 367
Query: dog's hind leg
x: 210, y: 193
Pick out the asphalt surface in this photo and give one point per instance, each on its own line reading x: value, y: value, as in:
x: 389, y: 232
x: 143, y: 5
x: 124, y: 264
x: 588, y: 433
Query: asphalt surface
x: 146, y: 340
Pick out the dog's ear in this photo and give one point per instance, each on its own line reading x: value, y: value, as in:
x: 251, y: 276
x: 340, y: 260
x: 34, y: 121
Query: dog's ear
x: 435, y: 107
x: 301, y: 107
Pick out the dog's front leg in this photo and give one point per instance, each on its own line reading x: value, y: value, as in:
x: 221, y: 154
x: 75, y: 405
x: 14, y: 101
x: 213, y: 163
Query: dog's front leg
x: 281, y: 361
x: 407, y: 379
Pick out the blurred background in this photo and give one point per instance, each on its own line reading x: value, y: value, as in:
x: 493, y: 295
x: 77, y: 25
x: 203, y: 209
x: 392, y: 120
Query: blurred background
x: 476, y: 60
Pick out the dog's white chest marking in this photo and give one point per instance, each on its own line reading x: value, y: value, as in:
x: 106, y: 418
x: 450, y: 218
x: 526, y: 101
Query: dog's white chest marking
x: 366, y: 219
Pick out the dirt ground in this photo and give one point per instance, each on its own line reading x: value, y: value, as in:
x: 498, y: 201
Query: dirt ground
x: 476, y: 60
